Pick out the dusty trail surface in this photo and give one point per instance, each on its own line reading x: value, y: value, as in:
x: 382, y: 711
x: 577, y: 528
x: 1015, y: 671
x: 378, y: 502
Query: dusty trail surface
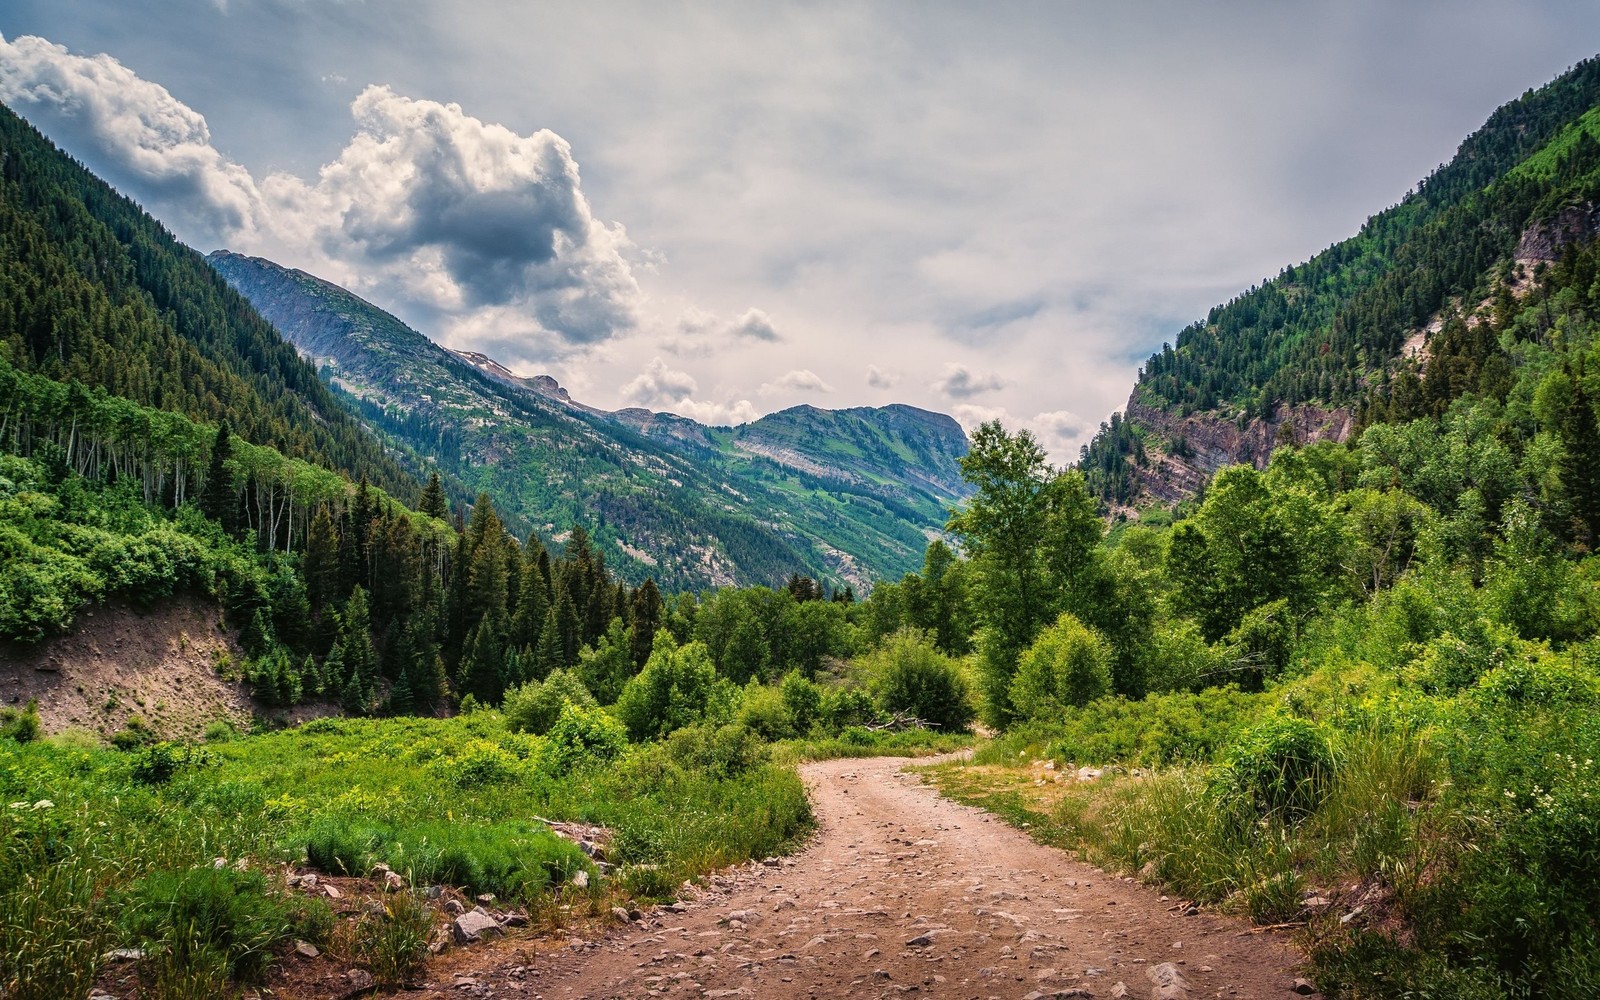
x: 900, y: 892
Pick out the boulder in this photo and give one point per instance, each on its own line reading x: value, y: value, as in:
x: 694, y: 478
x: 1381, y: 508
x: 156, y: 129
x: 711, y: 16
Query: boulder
x: 473, y: 925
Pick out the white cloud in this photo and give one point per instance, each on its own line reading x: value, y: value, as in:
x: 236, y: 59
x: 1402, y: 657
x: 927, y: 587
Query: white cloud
x: 153, y: 138
x: 877, y: 378
x: 960, y: 382
x: 482, y: 235
x: 798, y: 380
x: 1060, y: 432
x: 738, y: 411
x: 755, y: 325
x: 659, y: 384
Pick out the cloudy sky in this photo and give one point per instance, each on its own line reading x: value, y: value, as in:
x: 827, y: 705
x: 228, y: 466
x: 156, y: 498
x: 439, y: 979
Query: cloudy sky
x: 992, y: 209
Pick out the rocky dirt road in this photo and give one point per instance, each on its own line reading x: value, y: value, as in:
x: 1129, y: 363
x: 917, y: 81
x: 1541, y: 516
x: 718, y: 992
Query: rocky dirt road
x: 904, y: 892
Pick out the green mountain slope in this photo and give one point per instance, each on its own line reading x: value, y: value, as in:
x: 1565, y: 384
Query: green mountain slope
x: 95, y: 290
x: 1312, y: 352
x: 845, y: 496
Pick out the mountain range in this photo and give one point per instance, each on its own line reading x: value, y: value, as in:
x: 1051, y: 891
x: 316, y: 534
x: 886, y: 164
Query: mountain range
x: 846, y: 496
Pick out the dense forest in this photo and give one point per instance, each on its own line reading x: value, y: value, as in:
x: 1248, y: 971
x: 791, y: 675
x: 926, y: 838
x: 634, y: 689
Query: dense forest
x: 1330, y: 331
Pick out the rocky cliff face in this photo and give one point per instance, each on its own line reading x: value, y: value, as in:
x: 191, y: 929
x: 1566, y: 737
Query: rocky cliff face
x: 1183, y: 452
x: 1544, y: 241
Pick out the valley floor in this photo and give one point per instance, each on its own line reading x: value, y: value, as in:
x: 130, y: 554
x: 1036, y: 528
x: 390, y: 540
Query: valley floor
x: 901, y: 891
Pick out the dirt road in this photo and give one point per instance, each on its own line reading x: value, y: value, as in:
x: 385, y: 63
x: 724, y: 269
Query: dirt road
x: 902, y: 892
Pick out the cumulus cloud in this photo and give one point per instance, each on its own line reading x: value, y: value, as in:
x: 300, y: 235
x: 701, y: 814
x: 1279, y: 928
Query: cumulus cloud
x: 663, y: 388
x: 960, y: 382
x: 466, y: 227
x: 700, y: 333
x: 755, y: 325
x: 877, y: 378
x: 160, y: 145
x: 659, y: 384
x: 799, y: 380
x: 1059, y: 432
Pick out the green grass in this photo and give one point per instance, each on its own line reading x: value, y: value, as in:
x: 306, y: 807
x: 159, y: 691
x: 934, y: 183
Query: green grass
x: 97, y: 850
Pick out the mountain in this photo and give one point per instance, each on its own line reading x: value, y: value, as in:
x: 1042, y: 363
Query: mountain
x: 95, y: 291
x: 1327, y: 346
x: 847, y: 496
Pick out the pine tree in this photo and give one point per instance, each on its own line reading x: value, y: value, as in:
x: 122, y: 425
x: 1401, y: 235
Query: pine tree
x: 217, y: 499
x: 434, y: 503
x: 647, y: 609
x: 550, y: 656
x: 319, y: 562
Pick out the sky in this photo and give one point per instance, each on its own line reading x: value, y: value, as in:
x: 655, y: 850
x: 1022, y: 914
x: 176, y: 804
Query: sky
x: 992, y: 210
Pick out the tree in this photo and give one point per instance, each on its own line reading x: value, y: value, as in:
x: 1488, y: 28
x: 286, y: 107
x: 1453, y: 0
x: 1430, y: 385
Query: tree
x: 1029, y: 531
x: 646, y: 618
x: 678, y: 687
x: 1068, y: 666
x: 433, y: 502
x: 217, y: 497
x: 907, y: 674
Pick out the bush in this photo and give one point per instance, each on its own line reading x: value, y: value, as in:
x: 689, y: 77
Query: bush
x: 677, y: 687
x: 534, y: 707
x: 393, y: 942
x: 1068, y: 666
x: 157, y: 763
x: 1282, y: 767
x: 843, y: 708
x: 763, y: 711
x: 802, y: 699
x: 719, y: 752
x: 233, y: 912
x: 583, y: 736
x: 907, y: 674
x: 22, y: 726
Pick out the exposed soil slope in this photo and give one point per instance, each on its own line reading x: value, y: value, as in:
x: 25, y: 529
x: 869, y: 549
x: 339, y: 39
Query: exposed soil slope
x: 901, y: 891
x: 119, y: 662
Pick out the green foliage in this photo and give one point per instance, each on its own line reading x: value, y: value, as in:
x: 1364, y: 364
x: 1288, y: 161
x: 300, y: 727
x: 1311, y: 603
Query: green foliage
x: 234, y: 914
x: 583, y: 736
x: 393, y: 943
x: 677, y: 687
x: 1068, y: 666
x: 23, y: 725
x: 1281, y: 767
x: 907, y: 674
x: 535, y: 707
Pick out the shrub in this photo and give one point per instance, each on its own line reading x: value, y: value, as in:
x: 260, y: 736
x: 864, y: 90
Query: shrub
x: 230, y: 911
x: 1068, y: 666
x: 802, y: 700
x: 677, y: 687
x: 158, y: 762
x: 135, y: 734
x: 907, y: 674
x: 846, y: 707
x: 479, y: 763
x: 583, y: 736
x: 534, y: 707
x: 1281, y: 767
x: 1262, y: 642
x: 22, y: 726
x: 763, y: 711
x: 717, y: 751
x: 393, y: 942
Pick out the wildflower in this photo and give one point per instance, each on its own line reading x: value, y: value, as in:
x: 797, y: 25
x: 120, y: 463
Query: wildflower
x: 44, y: 804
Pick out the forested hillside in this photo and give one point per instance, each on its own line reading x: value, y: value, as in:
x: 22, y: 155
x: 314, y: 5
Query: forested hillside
x: 94, y: 290
x: 1321, y: 348
x: 845, y: 496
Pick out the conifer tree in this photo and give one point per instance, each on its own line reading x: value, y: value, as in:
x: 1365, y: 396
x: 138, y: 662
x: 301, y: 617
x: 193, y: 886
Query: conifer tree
x: 433, y: 502
x: 217, y: 498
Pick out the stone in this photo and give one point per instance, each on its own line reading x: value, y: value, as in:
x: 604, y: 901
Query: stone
x: 305, y: 949
x: 123, y: 955
x: 1303, y: 987
x: 1169, y: 982
x: 620, y: 913
x: 308, y: 881
x: 920, y: 941
x: 454, y: 907
x: 393, y: 882
x: 473, y: 925
x: 360, y: 979
x: 486, y: 899
x: 515, y: 920
x: 580, y: 880
x: 333, y: 891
